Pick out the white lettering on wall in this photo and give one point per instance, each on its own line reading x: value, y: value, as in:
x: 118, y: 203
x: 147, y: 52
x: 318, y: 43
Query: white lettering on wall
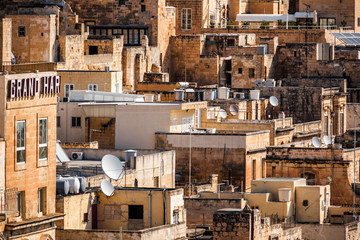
x: 31, y: 86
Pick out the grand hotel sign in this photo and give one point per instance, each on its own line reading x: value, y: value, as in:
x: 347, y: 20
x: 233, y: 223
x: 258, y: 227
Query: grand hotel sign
x: 28, y: 87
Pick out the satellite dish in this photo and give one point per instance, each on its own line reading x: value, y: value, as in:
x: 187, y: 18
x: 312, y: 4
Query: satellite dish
x: 222, y: 113
x: 327, y: 140
x: 234, y: 110
x: 316, y: 142
x: 274, y: 101
x: 112, y: 167
x: 107, y: 188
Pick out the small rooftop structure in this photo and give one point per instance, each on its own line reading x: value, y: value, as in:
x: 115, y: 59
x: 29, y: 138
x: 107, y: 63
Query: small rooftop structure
x: 86, y: 96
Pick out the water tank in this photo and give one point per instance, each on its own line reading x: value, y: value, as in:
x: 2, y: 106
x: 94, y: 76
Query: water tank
x: 284, y: 194
x: 62, y: 186
x: 209, y: 95
x: 129, y: 154
x: 82, y: 181
x: 149, y: 97
x: 183, y: 84
x: 223, y: 93
x: 254, y: 94
x: 74, y: 184
x: 179, y: 94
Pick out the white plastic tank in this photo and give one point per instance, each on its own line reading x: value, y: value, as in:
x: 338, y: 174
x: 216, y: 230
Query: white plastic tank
x: 254, y: 94
x: 284, y: 194
x: 223, y: 93
x: 74, y: 184
x: 179, y: 94
x: 129, y: 154
x: 149, y: 97
x: 82, y: 182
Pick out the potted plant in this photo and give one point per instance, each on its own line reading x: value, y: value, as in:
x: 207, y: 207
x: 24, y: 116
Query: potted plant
x: 246, y: 25
x: 265, y: 24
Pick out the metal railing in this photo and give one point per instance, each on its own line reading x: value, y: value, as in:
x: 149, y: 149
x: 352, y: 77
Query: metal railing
x: 271, y: 26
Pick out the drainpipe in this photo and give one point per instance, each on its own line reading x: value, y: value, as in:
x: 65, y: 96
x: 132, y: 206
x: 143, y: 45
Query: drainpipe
x: 165, y: 215
x: 149, y: 209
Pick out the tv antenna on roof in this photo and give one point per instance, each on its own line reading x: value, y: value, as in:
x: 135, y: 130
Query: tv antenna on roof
x: 234, y: 110
x: 316, y: 142
x: 114, y: 169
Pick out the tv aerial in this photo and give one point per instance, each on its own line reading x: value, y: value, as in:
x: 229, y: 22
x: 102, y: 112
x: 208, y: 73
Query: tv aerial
x: 274, y: 101
x: 114, y: 169
x: 327, y: 140
x: 222, y: 113
x: 234, y: 110
x: 316, y: 142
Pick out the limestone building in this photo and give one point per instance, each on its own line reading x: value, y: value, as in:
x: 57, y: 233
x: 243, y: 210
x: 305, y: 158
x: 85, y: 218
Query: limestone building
x: 28, y: 129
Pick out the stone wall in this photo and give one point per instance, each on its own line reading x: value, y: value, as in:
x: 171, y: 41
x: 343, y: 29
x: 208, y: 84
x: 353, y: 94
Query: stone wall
x: 5, y: 41
x: 321, y: 166
x: 173, y: 231
x: 217, y: 154
x: 199, y: 211
x: 36, y: 43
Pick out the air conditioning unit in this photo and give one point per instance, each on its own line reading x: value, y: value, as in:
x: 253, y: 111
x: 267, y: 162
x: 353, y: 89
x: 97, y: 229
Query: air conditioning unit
x: 239, y: 95
x: 76, y: 155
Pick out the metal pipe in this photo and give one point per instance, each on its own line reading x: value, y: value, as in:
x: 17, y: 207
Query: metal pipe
x: 165, y: 215
x: 149, y: 209
x: 354, y: 200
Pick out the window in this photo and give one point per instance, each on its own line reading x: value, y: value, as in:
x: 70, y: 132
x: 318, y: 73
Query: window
x: 358, y: 22
x: 76, y: 121
x: 93, y: 87
x: 231, y: 42
x: 239, y: 70
x: 175, y: 217
x: 136, y: 211
x: 93, y: 50
x: 251, y: 72
x: 58, y: 121
x: 43, y: 149
x: 68, y: 88
x: 143, y: 8
x: 90, y: 23
x: 20, y: 202
x: 186, y: 18
x: 253, y: 175
x: 327, y: 22
x: 122, y: 2
x: 41, y: 198
x: 326, y: 125
x: 295, y: 53
x: 21, y: 31
x: 341, y: 123
x: 20, y: 141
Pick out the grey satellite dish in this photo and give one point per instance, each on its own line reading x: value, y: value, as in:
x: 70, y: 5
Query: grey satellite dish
x: 327, y: 140
x: 222, y: 113
x: 107, y: 188
x: 316, y: 142
x: 274, y: 101
x: 234, y: 110
x: 112, y: 167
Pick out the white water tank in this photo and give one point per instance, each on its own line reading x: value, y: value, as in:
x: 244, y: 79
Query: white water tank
x: 223, y: 93
x: 254, y: 94
x: 149, y: 97
x: 284, y: 194
x: 179, y: 94
x: 129, y: 154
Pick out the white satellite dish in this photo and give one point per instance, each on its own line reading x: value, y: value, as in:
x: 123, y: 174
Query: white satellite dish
x: 222, y: 113
x: 107, y: 188
x: 327, y: 140
x: 112, y: 167
x: 316, y: 142
x: 274, y: 101
x: 234, y: 110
